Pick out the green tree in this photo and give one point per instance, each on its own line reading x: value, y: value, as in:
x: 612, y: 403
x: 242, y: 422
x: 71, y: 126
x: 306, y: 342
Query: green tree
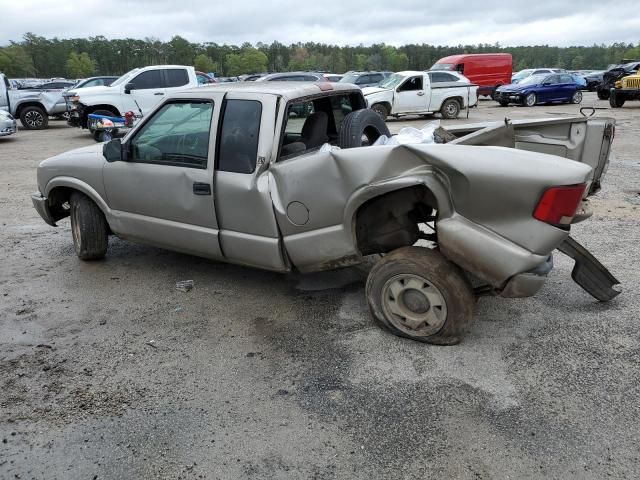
x: 249, y: 60
x: 16, y: 62
x: 80, y: 65
x: 205, y: 64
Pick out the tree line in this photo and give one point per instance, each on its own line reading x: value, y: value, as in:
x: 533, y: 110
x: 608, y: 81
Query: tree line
x: 37, y: 56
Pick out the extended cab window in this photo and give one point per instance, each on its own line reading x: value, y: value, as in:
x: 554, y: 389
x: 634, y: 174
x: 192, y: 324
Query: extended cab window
x: 413, y: 83
x: 178, y: 135
x: 177, y: 77
x: 148, y: 79
x: 239, y: 134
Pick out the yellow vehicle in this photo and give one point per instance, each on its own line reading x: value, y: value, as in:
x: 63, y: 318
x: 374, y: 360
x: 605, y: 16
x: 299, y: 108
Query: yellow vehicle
x: 627, y: 88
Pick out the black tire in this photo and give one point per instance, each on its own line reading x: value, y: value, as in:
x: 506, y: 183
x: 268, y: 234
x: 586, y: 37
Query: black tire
x: 88, y: 228
x: 531, y: 100
x: 437, y: 280
x: 98, y: 135
x: 576, y: 98
x: 616, y: 100
x: 504, y: 104
x: 360, y: 128
x: 381, y: 110
x: 450, y: 109
x: 34, y: 118
x: 603, y: 94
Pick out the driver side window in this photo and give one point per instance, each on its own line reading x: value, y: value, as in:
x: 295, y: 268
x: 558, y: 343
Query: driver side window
x: 178, y: 135
x: 412, y: 84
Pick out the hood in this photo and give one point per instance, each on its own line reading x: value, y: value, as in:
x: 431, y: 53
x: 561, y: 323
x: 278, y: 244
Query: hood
x: 370, y: 90
x: 516, y: 87
x: 90, y: 91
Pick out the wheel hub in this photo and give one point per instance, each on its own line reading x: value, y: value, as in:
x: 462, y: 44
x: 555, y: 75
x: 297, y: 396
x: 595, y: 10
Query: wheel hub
x: 414, y: 304
x: 416, y: 301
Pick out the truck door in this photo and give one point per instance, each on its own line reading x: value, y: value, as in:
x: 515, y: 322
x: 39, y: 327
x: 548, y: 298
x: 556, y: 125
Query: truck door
x: 411, y: 95
x: 249, y: 233
x: 163, y: 194
x: 148, y: 90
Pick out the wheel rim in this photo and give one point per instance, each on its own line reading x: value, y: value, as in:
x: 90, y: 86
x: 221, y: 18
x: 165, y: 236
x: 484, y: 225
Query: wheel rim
x: 577, y: 97
x: 34, y: 119
x: 414, y: 305
x: 531, y: 100
x: 380, y: 111
x: 451, y: 109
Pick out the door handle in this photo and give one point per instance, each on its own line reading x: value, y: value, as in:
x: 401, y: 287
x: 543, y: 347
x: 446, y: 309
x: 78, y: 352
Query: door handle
x: 158, y: 93
x: 200, y: 188
x: 420, y: 94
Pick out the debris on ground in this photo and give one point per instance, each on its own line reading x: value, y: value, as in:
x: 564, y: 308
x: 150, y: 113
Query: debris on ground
x: 184, y: 285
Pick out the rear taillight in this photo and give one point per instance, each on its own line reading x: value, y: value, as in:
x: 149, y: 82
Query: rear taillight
x: 558, y: 205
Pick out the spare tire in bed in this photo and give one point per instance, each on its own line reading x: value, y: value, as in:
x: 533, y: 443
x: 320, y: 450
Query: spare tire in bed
x: 361, y: 128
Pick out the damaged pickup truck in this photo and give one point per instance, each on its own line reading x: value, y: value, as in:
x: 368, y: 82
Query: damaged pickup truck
x: 249, y: 173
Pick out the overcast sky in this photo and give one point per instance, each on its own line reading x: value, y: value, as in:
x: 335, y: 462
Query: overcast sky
x: 346, y: 22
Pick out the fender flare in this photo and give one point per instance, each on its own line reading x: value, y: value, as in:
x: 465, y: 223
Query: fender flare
x: 76, y: 184
x: 423, y: 176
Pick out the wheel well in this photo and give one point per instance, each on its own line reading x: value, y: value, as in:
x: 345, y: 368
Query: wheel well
x: 392, y: 220
x: 457, y: 99
x: 24, y: 105
x: 387, y: 105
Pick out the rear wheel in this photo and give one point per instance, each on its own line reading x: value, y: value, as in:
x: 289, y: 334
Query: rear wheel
x: 504, y: 104
x: 34, y: 118
x: 530, y: 100
x: 415, y: 292
x: 577, y: 97
x: 88, y: 228
x: 603, y: 94
x: 450, y: 109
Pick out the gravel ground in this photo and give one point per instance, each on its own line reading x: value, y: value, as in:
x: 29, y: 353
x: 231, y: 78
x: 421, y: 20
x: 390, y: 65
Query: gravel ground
x: 108, y: 372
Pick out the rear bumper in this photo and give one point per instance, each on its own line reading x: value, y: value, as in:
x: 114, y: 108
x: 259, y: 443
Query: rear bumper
x: 41, y: 204
x: 528, y: 283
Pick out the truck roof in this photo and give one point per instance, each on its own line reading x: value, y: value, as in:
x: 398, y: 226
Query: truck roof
x: 287, y: 90
x: 455, y: 58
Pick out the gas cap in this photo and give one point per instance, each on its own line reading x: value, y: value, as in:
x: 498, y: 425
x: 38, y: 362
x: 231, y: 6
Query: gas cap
x: 297, y: 213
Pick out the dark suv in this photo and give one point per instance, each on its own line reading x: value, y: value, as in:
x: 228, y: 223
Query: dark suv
x: 364, y: 79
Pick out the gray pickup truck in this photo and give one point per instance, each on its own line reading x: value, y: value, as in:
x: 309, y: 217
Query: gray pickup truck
x: 248, y: 173
x: 32, y: 107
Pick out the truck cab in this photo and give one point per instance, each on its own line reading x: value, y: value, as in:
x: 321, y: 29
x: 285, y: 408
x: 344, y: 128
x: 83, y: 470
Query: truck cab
x: 413, y: 92
x: 138, y: 90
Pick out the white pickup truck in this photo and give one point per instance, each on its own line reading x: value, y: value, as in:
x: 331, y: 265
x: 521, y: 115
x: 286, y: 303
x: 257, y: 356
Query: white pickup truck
x: 32, y: 107
x: 139, y: 90
x: 415, y: 93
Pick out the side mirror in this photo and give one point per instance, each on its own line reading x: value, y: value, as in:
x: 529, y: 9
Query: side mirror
x: 128, y: 87
x: 114, y: 151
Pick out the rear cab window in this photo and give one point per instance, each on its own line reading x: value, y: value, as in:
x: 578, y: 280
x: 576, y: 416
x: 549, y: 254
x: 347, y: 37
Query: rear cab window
x: 304, y: 131
x: 239, y: 132
x: 177, y: 77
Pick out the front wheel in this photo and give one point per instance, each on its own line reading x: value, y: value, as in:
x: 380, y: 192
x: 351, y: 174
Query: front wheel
x: 88, y: 228
x: 381, y: 110
x: 450, y: 109
x: 616, y: 100
x: 530, y: 100
x: 577, y: 97
x: 415, y: 292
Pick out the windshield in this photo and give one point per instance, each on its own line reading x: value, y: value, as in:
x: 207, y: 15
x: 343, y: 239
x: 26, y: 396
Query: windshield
x: 442, y: 66
x: 351, y: 78
x: 124, y: 77
x: 391, y: 81
x: 532, y: 80
x: 522, y: 74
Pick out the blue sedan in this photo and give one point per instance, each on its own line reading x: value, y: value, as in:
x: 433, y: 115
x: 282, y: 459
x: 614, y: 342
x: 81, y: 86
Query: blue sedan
x: 549, y: 88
